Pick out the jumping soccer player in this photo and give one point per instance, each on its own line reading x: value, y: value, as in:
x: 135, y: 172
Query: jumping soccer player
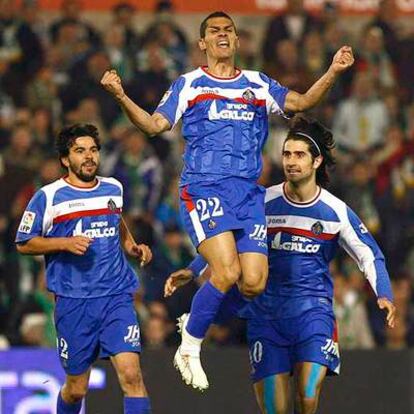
x: 291, y: 326
x: 76, y: 223
x: 225, y: 124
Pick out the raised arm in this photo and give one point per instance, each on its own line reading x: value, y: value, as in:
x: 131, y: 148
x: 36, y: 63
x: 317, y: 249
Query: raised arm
x: 150, y: 124
x: 297, y: 102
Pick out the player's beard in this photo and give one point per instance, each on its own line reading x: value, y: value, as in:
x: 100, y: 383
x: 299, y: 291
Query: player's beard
x: 82, y: 175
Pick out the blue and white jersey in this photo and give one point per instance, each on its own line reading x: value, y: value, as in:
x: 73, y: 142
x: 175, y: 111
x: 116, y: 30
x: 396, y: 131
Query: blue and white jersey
x: 63, y: 210
x: 302, y: 239
x: 224, y: 122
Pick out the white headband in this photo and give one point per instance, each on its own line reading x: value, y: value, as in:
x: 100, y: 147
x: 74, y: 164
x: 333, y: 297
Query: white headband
x: 310, y: 138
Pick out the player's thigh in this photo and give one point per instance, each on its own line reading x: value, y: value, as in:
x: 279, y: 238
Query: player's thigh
x: 221, y: 254
x: 77, y: 331
x: 272, y: 393
x: 255, y: 270
x: 309, y: 377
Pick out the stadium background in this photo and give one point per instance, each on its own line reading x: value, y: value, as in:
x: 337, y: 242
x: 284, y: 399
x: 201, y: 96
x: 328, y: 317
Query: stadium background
x: 52, y: 55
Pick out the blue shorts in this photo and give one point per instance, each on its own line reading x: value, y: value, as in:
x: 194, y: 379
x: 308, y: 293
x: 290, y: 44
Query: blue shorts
x: 232, y: 204
x: 276, y: 346
x: 93, y: 328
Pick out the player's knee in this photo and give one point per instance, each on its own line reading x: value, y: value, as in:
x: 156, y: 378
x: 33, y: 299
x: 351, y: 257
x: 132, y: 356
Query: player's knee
x: 309, y: 405
x: 227, y: 277
x: 75, y: 392
x: 253, y: 283
x: 253, y: 287
x: 131, y: 380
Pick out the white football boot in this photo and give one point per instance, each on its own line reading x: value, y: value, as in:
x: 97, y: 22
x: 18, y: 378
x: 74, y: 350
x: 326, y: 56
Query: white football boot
x: 187, y: 358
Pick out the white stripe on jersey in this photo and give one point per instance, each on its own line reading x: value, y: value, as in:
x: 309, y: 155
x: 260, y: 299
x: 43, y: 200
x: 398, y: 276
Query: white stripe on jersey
x: 84, y: 204
x: 273, y: 192
x: 302, y: 222
x: 51, y: 189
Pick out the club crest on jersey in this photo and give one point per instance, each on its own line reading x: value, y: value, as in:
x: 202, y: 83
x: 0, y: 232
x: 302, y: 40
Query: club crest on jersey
x: 248, y: 95
x: 212, y: 224
x: 111, y: 205
x: 317, y: 228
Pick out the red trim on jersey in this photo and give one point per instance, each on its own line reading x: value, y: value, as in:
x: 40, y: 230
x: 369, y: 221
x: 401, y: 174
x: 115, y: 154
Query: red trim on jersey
x: 335, y: 333
x: 305, y: 203
x: 204, y: 69
x: 301, y: 232
x: 211, y: 96
x: 85, y: 213
x: 187, y: 199
x: 65, y: 178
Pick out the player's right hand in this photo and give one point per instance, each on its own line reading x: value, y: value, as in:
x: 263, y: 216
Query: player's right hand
x: 177, y: 279
x: 77, y: 245
x: 112, y: 83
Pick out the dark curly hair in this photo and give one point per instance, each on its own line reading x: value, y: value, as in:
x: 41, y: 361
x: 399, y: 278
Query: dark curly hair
x: 203, y: 25
x: 68, y: 135
x: 322, y: 136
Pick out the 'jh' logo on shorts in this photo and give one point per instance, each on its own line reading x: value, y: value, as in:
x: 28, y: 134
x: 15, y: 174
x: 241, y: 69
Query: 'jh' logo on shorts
x: 133, y: 335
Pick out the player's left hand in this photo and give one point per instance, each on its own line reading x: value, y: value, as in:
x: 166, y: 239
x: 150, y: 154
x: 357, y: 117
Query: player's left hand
x: 384, y: 303
x: 343, y: 59
x: 142, y: 252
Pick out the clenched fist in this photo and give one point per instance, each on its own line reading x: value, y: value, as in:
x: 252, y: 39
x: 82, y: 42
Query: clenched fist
x: 343, y: 59
x: 112, y: 83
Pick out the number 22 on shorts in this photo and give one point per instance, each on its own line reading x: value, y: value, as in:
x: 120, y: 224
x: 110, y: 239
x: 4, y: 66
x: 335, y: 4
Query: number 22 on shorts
x: 210, y: 207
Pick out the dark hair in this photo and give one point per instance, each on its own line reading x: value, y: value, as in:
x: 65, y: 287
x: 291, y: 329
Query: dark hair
x: 123, y: 6
x: 203, y: 25
x: 68, y: 135
x: 323, y: 137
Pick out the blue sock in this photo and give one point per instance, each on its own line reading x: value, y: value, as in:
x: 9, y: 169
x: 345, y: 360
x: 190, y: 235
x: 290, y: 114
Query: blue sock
x: 66, y: 408
x: 206, y: 303
x: 232, y: 303
x: 137, y: 405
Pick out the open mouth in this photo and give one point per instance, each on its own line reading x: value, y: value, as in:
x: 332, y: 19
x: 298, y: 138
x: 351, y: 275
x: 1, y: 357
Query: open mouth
x: 223, y: 44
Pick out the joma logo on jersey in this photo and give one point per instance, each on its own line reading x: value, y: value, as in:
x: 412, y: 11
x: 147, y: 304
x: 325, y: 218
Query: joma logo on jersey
x: 234, y: 114
x: 99, y: 229
x: 133, y: 336
x: 294, y: 246
x: 330, y: 349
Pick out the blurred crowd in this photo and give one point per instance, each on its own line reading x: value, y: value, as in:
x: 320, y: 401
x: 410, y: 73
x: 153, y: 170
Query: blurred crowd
x: 49, y: 77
